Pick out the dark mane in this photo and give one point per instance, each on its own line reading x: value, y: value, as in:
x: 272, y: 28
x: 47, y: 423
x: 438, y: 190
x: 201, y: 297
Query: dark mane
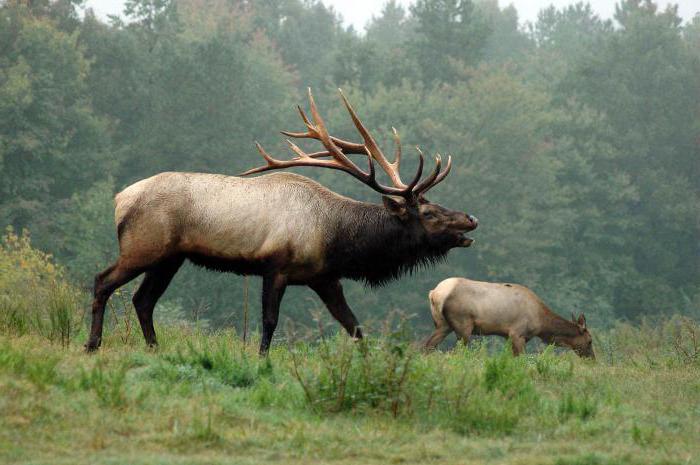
x: 369, y: 244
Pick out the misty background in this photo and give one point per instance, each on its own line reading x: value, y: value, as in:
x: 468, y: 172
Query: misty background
x: 575, y: 137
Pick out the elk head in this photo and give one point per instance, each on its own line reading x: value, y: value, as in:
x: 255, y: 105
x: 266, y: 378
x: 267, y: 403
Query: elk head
x: 581, y: 343
x: 443, y: 228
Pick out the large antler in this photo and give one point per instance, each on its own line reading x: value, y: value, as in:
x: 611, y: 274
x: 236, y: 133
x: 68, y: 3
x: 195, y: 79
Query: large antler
x: 338, y: 149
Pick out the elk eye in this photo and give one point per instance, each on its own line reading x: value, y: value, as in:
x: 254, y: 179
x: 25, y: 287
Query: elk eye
x: 428, y: 216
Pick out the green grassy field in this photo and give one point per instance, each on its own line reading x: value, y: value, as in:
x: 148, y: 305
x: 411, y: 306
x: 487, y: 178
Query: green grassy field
x: 207, y: 398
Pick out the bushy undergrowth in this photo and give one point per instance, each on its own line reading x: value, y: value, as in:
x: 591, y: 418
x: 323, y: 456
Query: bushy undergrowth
x: 673, y: 341
x: 465, y: 391
x: 35, y: 296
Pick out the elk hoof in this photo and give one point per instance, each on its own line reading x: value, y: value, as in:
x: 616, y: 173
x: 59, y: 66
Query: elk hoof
x: 92, y: 346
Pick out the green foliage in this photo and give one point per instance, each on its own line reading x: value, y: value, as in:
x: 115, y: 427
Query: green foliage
x: 235, y: 369
x: 653, y: 343
x: 579, y: 406
x: 550, y: 366
x: 48, y: 132
x: 107, y: 384
x: 35, y: 297
x: 389, y: 376
x: 455, y: 28
x: 39, y: 370
x: 507, y: 374
x: 371, y: 374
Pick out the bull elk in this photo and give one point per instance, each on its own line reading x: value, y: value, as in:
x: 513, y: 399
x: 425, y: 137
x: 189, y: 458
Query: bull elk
x: 283, y: 227
x: 509, y: 310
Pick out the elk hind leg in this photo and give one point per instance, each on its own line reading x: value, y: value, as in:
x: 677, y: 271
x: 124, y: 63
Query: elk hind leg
x: 151, y: 289
x: 442, y: 326
x: 106, y: 283
x: 441, y: 332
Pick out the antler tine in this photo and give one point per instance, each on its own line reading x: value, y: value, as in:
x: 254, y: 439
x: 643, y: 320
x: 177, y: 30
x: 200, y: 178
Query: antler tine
x: 419, y: 173
x: 440, y: 176
x: 397, y: 152
x: 271, y: 162
x: 311, y: 130
x: 301, y: 154
x: 372, y: 146
x: 312, y: 133
x: 426, y: 183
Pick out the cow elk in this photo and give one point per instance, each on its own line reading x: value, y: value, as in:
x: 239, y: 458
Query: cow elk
x: 509, y: 310
x: 284, y: 227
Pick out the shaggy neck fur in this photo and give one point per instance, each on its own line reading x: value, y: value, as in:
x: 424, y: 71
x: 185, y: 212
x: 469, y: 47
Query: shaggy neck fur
x: 369, y: 244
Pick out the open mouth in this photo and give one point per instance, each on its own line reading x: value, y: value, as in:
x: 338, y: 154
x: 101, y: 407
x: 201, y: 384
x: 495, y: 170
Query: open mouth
x: 465, y: 241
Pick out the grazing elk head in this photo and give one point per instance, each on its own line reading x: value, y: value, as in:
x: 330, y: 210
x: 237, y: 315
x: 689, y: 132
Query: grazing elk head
x: 440, y: 228
x: 582, y: 342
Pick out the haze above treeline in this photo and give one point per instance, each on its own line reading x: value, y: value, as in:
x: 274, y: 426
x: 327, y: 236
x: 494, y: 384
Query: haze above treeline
x: 575, y: 142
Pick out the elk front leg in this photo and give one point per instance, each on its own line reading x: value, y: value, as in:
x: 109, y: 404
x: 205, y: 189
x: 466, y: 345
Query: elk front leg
x: 151, y: 289
x: 464, y: 331
x: 331, y: 293
x: 272, y: 293
x: 518, y: 343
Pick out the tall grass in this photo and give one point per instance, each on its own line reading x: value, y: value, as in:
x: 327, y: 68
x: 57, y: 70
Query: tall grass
x: 35, y: 296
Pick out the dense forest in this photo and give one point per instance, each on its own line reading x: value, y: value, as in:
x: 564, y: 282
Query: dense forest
x: 575, y: 140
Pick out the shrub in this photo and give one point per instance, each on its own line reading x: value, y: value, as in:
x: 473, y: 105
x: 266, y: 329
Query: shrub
x: 372, y: 373
x: 35, y: 296
x: 494, y: 402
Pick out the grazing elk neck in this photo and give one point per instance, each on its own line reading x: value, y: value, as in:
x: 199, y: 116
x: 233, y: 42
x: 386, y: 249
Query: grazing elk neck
x: 369, y: 244
x: 554, y: 326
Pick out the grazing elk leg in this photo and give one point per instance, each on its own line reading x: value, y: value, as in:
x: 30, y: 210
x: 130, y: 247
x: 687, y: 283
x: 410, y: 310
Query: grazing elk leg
x: 442, y: 326
x: 106, y: 283
x: 272, y: 293
x: 439, y: 335
x: 518, y: 343
x: 151, y: 289
x: 464, y: 332
x: 331, y: 293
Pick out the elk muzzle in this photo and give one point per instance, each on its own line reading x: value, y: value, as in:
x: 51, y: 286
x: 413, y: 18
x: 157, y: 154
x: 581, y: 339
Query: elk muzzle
x: 465, y: 224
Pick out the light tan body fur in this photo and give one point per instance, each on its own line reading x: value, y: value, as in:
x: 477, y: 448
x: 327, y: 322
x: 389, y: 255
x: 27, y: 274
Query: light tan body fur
x: 509, y: 310
x: 232, y: 218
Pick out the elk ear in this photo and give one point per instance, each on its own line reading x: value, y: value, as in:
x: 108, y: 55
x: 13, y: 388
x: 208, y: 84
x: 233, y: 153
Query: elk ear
x: 396, y: 207
x: 581, y: 321
x: 573, y: 317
